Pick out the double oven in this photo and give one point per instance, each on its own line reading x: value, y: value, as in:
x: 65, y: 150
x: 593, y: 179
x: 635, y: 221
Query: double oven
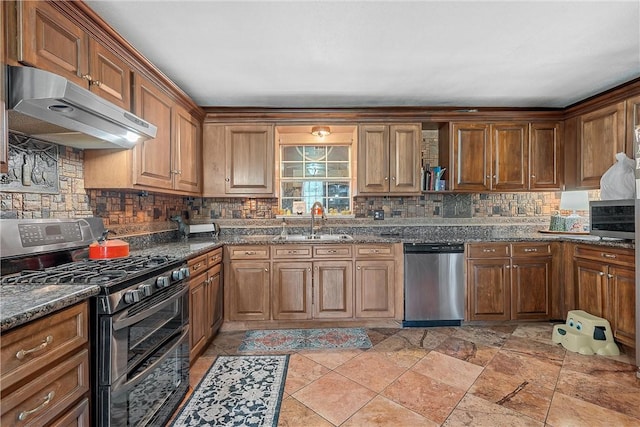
x: 139, y: 321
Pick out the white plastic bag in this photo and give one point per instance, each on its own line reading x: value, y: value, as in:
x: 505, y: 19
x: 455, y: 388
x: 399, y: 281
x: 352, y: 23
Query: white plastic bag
x: 618, y: 182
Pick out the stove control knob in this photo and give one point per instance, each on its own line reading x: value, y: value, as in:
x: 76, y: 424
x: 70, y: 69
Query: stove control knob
x: 162, y: 281
x: 185, y: 271
x: 145, y: 289
x: 132, y: 296
x: 177, y: 274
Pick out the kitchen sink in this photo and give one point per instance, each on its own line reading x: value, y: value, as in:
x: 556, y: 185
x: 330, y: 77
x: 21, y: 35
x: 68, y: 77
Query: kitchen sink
x: 313, y: 238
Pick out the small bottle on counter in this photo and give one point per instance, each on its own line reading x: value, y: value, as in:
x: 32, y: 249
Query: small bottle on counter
x: 284, y: 232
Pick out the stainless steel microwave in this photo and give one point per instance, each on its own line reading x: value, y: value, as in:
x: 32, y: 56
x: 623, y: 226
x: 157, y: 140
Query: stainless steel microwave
x: 613, y: 218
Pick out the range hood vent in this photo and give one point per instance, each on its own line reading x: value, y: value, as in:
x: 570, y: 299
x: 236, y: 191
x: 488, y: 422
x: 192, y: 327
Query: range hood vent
x: 46, y: 106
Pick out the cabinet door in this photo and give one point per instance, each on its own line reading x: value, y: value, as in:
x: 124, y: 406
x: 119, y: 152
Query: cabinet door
x: 623, y: 307
x: 110, y: 75
x: 509, y: 156
x: 215, y: 299
x: 601, y: 135
x: 530, y: 288
x: 152, y: 158
x: 332, y: 289
x: 250, y: 159
x: 545, y: 151
x: 633, y: 120
x: 591, y: 288
x: 375, y: 292
x: 187, y: 152
x: 52, y: 42
x: 249, y: 291
x: 292, y: 290
x: 404, y: 154
x: 198, y: 325
x: 373, y: 159
x: 471, y: 167
x: 489, y: 289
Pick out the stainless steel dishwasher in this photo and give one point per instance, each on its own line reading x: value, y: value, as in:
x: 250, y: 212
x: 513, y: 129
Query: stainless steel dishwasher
x: 433, y: 284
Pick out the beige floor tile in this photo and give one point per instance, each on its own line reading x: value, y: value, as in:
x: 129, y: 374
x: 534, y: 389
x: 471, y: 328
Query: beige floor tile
x: 331, y: 359
x: 476, y: 412
x: 569, y: 411
x: 478, y: 354
x: 527, y: 368
x: 386, y: 413
x: 490, y: 336
x: 428, y: 397
x: 334, y: 397
x: 553, y: 353
x: 295, y: 414
x: 302, y: 371
x: 601, y: 368
x: 540, y: 332
x: 447, y: 369
x: 372, y: 370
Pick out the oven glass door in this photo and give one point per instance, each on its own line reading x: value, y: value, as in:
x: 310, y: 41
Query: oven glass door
x: 153, y: 390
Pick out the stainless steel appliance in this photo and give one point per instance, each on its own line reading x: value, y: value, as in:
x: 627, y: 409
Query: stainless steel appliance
x: 613, y: 218
x: 139, y: 320
x: 636, y: 149
x: 433, y: 284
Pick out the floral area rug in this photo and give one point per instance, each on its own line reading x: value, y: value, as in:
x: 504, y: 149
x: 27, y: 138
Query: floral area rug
x: 304, y: 339
x: 237, y: 391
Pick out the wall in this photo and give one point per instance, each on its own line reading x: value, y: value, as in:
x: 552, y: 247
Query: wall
x: 129, y: 212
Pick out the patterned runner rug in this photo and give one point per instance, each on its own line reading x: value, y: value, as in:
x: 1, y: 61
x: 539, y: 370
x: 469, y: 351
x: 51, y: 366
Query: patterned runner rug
x: 304, y: 339
x: 237, y: 391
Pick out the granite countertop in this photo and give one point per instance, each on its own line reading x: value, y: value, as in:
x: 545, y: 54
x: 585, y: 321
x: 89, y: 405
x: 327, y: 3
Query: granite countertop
x: 22, y: 303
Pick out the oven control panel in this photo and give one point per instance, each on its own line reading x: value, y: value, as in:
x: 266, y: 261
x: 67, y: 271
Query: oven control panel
x: 46, y: 234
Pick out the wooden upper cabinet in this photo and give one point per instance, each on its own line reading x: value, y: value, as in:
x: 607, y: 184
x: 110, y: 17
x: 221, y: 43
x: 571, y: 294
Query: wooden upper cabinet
x: 601, y: 135
x: 470, y: 164
x: 153, y: 157
x: 187, y: 152
x: 516, y: 156
x: 545, y: 156
x: 249, y: 154
x: 509, y: 156
x: 110, y: 75
x: 633, y: 120
x: 50, y: 41
x: 389, y: 158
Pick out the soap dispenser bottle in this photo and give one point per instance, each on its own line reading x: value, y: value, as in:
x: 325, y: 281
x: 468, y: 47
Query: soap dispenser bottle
x: 284, y: 233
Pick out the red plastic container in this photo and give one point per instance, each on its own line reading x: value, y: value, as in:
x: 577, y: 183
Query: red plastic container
x: 109, y: 249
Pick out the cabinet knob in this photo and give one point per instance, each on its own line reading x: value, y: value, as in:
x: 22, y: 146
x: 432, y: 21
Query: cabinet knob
x: 393, y: 178
x: 358, y: 268
x: 533, y: 176
x: 266, y: 270
x: 309, y: 269
x: 601, y: 273
x: 386, y: 178
x: 610, y: 276
x: 87, y: 77
x: 227, y: 179
x: 515, y: 266
x: 507, y: 267
x: 97, y: 83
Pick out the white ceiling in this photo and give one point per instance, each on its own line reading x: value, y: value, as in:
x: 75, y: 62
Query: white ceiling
x: 385, y: 53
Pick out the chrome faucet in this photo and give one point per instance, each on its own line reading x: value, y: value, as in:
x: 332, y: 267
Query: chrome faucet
x: 313, y: 216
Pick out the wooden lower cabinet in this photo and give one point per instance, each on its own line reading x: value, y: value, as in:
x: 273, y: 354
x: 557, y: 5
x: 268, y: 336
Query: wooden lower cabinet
x: 509, y: 281
x: 205, y: 300
x: 45, y: 370
x: 249, y: 290
x: 292, y: 295
x: 604, y: 285
x: 333, y: 289
x: 376, y: 280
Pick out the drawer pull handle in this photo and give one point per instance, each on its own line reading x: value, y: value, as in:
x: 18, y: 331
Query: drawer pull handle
x: 611, y: 256
x: 249, y: 252
x: 22, y: 353
x: 197, y: 266
x: 530, y: 249
x: 47, y: 399
x: 332, y: 251
x: 292, y: 252
x: 488, y: 250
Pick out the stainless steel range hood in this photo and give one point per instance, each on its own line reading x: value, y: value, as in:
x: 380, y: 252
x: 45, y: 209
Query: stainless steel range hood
x: 49, y: 107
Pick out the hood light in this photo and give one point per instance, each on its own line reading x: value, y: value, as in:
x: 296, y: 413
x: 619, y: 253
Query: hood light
x: 60, y: 108
x: 320, y: 131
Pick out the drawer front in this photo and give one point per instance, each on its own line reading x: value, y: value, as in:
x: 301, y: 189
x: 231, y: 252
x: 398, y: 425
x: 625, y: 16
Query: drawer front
x: 530, y: 249
x: 332, y: 251
x: 197, y: 265
x: 29, y: 348
x: 608, y: 255
x: 374, y: 251
x: 46, y: 397
x: 214, y: 257
x: 291, y: 251
x: 249, y: 252
x: 488, y: 250
x: 76, y: 416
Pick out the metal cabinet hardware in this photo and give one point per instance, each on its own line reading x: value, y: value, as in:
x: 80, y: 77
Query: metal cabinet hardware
x: 24, y: 414
x: 22, y: 353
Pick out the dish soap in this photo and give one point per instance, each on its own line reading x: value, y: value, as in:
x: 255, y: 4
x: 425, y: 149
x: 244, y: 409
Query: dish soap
x: 284, y: 232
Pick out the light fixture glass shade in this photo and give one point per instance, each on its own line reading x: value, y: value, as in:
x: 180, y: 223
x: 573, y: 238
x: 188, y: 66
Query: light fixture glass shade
x: 574, y: 201
x: 320, y: 131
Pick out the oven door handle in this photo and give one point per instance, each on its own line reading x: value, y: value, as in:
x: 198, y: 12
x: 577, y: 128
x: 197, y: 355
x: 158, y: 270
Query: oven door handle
x: 126, y: 386
x: 124, y: 320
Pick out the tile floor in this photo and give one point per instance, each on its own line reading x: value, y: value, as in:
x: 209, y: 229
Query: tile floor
x: 506, y: 375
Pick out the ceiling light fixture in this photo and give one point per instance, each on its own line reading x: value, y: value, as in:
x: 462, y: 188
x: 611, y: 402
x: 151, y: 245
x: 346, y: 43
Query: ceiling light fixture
x: 320, y: 131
